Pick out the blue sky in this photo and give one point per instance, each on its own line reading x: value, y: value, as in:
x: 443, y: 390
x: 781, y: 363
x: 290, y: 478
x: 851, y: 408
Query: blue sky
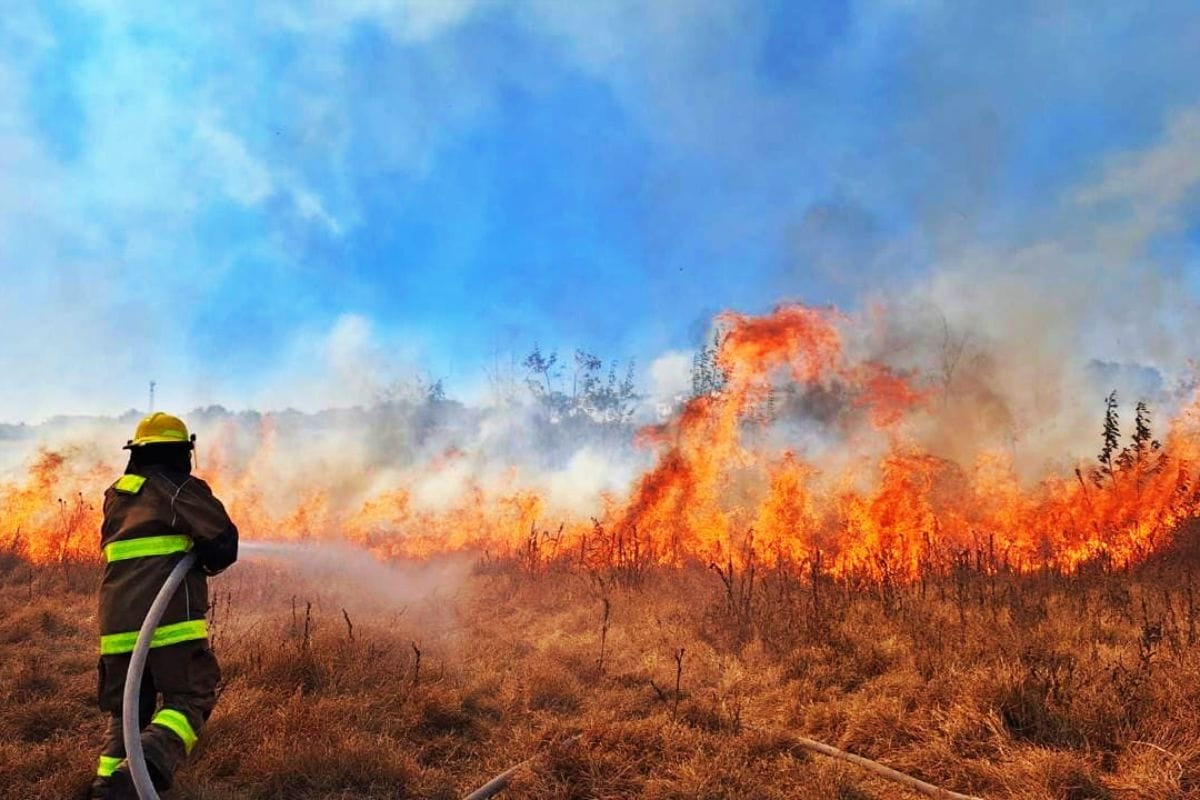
x: 255, y: 204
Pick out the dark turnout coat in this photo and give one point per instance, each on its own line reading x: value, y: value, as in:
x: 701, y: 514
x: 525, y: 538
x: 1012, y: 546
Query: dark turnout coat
x: 149, y: 521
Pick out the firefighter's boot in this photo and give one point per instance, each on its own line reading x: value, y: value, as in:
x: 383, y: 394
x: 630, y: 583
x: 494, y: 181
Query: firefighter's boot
x: 118, y: 786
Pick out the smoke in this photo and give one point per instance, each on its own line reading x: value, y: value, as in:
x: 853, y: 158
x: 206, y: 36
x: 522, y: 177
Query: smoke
x: 1010, y: 348
x: 670, y: 380
x: 374, y: 583
x: 1010, y: 335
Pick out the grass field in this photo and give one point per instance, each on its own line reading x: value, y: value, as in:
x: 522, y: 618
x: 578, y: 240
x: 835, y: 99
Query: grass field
x: 996, y: 685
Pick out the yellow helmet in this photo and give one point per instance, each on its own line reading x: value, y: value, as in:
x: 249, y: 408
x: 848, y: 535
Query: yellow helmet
x: 160, y: 428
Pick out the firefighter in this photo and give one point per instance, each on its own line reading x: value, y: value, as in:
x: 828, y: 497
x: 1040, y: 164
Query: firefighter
x: 153, y: 514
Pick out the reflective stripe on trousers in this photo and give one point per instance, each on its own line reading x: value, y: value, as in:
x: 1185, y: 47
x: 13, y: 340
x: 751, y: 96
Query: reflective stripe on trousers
x: 177, y: 724
x: 116, y: 643
x: 108, y: 765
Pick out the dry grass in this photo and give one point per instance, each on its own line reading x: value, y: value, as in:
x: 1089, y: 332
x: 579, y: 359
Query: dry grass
x: 1005, y: 687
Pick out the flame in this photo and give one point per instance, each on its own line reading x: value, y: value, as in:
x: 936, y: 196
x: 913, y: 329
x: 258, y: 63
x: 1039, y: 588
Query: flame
x: 725, y: 484
x: 49, y: 517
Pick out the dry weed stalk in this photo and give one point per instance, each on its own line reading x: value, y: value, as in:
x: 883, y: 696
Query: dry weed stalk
x: 603, y: 636
x: 416, y: 677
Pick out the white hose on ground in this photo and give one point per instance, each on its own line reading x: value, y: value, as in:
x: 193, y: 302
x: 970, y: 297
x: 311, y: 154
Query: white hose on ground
x: 887, y: 773
x: 499, y: 783
x: 130, y: 713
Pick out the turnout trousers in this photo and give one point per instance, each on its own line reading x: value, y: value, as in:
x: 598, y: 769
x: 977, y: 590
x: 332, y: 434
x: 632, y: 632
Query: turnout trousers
x: 185, y: 675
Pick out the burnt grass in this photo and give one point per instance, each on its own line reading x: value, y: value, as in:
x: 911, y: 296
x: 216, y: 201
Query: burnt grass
x: 978, y: 680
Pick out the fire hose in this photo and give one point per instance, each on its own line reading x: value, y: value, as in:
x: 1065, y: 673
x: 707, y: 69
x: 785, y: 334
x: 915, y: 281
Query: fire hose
x: 130, y: 713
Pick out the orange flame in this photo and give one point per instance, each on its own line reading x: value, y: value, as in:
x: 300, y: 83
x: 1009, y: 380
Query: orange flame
x: 51, y: 516
x: 723, y: 484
